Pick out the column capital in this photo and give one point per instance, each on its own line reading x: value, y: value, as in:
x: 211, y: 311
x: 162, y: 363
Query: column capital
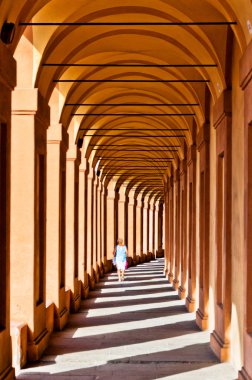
x: 203, y: 136
x: 73, y: 154
x: 222, y: 108
x: 29, y: 101
x: 122, y: 196
x: 110, y: 194
x: 56, y: 134
x: 152, y: 204
x: 83, y: 164
x: 191, y: 154
x: 139, y: 200
x: 95, y: 181
x: 246, y: 67
x: 131, y: 201
x: 91, y: 174
x: 146, y: 203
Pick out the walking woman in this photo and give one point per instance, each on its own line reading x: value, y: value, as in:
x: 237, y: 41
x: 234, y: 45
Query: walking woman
x: 120, y: 253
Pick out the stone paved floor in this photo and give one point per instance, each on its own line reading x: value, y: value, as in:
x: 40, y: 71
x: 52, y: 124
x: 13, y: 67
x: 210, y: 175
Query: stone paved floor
x: 135, y: 330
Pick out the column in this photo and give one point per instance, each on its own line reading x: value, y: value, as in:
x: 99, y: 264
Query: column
x: 151, y: 227
x: 166, y: 231
x: 171, y: 228
x: 246, y: 84
x: 99, y: 249
x: 95, y: 221
x: 72, y: 206
x: 57, y: 145
x: 145, y: 225
x: 7, y: 83
x: 160, y: 229
x: 191, y: 295
x: 82, y: 267
x: 131, y: 227
x: 110, y: 230
x: 156, y: 228
x: 139, y: 228
x: 90, y: 229
x: 184, y: 253
x: 103, y: 222
x: 204, y: 226
x: 121, y: 214
x: 177, y: 252
x: 220, y: 338
x: 30, y: 119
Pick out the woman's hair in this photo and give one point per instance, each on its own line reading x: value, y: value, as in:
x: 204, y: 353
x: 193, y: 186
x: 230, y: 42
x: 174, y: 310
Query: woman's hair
x: 120, y: 241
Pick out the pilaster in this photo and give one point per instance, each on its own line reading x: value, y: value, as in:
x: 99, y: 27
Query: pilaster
x: 82, y: 224
x: 139, y: 252
x: 7, y: 83
x: 170, y: 275
x: 121, y: 214
x: 57, y: 145
x: 151, y: 227
x: 204, y: 226
x: 145, y: 225
x: 191, y: 163
x: 246, y: 85
x: 72, y: 207
x: 110, y: 236
x: 183, y: 222
x: 177, y: 252
x: 90, y: 230
x: 131, y: 227
x: 30, y: 120
x: 220, y: 338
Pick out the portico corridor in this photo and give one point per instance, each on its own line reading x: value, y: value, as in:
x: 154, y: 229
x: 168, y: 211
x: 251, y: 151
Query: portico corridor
x: 138, y: 329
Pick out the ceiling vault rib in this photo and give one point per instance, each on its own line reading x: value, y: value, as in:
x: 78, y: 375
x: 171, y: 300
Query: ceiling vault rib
x: 180, y: 23
x: 145, y: 136
x: 132, y: 105
x: 133, y: 145
x: 131, y: 65
x: 131, y: 80
x: 136, y: 130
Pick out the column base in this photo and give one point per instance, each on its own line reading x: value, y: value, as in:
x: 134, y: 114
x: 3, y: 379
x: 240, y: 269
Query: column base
x: 170, y: 277
x: 201, y: 320
x: 190, y: 304
x: 175, y: 284
x: 101, y: 271
x: 243, y: 375
x: 149, y: 256
x: 182, y: 293
x: 75, y: 302
x: 96, y: 276
x: 221, y: 349
x: 137, y: 259
x: 130, y: 261
x: 8, y: 374
x: 19, y: 339
x: 159, y: 253
x: 108, y: 266
x: 91, y: 281
x: 36, y: 348
x: 141, y: 259
x: 85, y: 287
x: 61, y: 320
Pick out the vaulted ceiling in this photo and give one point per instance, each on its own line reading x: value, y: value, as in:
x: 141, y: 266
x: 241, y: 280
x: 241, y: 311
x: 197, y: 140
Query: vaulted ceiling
x: 135, y: 76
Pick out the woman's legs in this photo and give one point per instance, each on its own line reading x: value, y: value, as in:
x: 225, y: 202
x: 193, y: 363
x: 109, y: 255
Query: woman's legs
x: 119, y: 274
